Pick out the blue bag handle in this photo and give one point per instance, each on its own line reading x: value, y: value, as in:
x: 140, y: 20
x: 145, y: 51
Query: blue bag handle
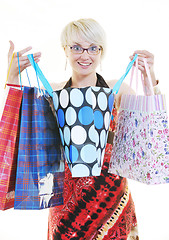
x: 20, y: 80
x: 19, y: 71
x: 40, y: 75
x: 119, y: 82
x: 49, y: 89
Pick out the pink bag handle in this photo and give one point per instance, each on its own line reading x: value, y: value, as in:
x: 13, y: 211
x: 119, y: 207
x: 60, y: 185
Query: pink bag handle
x: 148, y: 89
x: 132, y: 74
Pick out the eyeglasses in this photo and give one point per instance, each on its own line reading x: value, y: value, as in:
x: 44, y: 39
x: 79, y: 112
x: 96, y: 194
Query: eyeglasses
x: 93, y: 50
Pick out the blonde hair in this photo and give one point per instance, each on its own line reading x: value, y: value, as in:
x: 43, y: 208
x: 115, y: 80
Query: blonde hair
x: 87, y: 29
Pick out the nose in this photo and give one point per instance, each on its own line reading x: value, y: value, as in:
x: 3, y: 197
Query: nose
x: 85, y: 54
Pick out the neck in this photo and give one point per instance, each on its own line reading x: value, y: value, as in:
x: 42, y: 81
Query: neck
x: 84, y: 80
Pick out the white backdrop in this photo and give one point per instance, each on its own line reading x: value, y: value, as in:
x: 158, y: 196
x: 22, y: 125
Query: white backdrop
x: 130, y: 25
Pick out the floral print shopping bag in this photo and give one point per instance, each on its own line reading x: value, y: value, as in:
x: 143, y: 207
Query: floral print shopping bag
x: 141, y: 143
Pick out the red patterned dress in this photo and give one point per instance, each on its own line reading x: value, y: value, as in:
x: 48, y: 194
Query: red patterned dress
x: 94, y: 207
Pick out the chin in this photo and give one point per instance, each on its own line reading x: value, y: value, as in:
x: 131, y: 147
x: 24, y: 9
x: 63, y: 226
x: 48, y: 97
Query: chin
x: 86, y: 71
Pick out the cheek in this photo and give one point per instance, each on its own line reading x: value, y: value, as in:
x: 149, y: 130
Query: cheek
x: 96, y: 60
x: 72, y: 60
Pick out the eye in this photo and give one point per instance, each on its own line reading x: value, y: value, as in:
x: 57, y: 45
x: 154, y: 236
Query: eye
x: 77, y: 48
x: 94, y: 48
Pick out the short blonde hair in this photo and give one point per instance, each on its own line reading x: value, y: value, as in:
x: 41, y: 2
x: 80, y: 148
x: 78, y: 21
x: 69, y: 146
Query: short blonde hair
x: 86, y: 28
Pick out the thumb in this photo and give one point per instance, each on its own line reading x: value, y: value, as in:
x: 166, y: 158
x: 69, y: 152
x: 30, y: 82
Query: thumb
x: 11, y: 50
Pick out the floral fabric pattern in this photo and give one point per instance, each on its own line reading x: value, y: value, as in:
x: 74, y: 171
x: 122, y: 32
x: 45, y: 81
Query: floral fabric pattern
x: 141, y: 146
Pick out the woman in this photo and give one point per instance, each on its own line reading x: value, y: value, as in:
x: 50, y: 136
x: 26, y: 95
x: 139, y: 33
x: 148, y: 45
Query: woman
x: 94, y: 207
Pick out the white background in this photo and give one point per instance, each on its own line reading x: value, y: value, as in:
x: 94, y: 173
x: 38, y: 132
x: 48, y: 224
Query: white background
x: 130, y: 25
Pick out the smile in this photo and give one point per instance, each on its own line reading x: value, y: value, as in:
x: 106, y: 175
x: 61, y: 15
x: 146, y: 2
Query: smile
x: 84, y: 64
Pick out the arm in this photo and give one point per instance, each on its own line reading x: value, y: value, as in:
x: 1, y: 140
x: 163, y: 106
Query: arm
x: 57, y: 86
x: 126, y: 89
x: 13, y: 77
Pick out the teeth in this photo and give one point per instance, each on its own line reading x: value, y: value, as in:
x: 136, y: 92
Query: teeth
x: 84, y: 64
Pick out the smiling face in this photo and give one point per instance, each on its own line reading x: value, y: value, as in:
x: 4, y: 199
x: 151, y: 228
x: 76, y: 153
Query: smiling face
x: 82, y: 63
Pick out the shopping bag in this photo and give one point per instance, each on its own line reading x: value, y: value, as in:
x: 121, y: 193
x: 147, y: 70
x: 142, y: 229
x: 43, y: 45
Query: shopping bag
x: 141, y: 143
x: 9, y: 137
x: 83, y: 117
x: 40, y: 169
x: 9, y: 140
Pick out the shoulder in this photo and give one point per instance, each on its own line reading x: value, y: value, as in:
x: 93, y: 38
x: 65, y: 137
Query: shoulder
x: 57, y: 86
x: 124, y: 89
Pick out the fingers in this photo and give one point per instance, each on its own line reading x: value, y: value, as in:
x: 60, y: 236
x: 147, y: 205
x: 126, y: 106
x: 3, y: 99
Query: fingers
x: 149, y: 61
x: 25, y: 50
x: 24, y: 61
x: 25, y: 58
x: 11, y: 49
x: 141, y: 65
x: 144, y: 53
x: 22, y: 52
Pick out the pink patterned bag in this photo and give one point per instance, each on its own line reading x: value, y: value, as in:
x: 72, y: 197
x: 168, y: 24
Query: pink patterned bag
x: 141, y: 143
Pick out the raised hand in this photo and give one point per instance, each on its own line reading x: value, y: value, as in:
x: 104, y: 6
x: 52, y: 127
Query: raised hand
x: 23, y: 61
x: 150, y: 60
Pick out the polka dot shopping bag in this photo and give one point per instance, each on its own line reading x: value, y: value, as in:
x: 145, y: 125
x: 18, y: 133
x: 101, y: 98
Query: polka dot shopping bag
x: 83, y: 117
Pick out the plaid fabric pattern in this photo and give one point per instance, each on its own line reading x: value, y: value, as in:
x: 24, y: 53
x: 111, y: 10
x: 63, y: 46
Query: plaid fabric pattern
x: 9, y: 140
x: 40, y: 171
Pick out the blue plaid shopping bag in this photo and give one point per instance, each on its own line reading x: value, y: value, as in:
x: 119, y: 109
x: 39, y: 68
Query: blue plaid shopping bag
x: 40, y: 171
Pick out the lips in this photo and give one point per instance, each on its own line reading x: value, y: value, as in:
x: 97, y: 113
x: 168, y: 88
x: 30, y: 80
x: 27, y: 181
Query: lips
x: 84, y: 64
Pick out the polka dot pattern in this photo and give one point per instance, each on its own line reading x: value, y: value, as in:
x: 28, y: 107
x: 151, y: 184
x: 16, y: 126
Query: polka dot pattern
x: 67, y: 154
x: 73, y: 153
x: 61, y: 117
x: 98, y: 119
x: 86, y: 115
x: 70, y: 116
x: 64, y: 98
x: 88, y: 153
x: 93, y: 135
x: 76, y: 97
x: 102, y: 101
x: 55, y: 100
x: 102, y: 138
x: 83, y: 116
x: 78, y: 135
x: 107, y: 120
x: 66, y: 132
x: 61, y: 136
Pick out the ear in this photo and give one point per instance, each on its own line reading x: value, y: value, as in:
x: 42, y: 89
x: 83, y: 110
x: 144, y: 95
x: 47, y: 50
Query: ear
x: 66, y: 50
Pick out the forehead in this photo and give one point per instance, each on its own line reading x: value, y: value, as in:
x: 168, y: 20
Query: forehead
x: 81, y: 42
